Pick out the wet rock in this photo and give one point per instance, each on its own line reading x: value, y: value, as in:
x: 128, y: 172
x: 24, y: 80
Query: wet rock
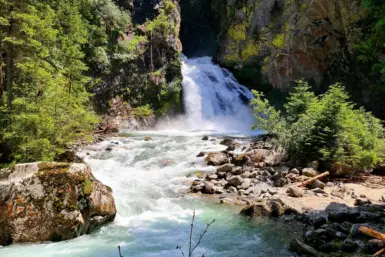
x: 219, y: 190
x: 309, y: 172
x: 329, y: 247
x: 269, y: 208
x: 294, y: 192
x: 231, y: 144
x: 51, y: 202
x: 373, y: 246
x: 205, y: 138
x: 302, y: 248
x: 147, y: 138
x: 235, y: 181
x: 208, y: 188
x: 226, y: 168
x: 201, y: 154
x: 216, y: 159
x: 108, y: 149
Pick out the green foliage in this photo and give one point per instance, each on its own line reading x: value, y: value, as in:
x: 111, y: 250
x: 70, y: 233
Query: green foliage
x: 327, y: 128
x: 371, y: 48
x: 143, y: 111
x: 48, y: 106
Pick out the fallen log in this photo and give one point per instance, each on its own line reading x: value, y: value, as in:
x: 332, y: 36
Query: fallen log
x: 371, y: 232
x: 311, y: 180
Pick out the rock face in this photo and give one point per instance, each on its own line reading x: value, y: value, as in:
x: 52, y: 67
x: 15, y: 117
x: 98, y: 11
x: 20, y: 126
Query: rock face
x: 283, y: 41
x: 51, y: 202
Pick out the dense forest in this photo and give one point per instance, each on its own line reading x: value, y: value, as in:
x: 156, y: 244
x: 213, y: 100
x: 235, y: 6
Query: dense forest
x: 61, y: 62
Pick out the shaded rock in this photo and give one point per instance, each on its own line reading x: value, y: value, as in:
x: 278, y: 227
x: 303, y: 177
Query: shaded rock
x: 294, y: 192
x: 359, y: 202
x: 205, y: 138
x: 379, y: 170
x: 373, y: 246
x: 51, y: 202
x: 241, y: 160
x: 349, y: 246
x: 294, y: 171
x: 235, y: 181
x: 226, y: 168
x: 201, y: 154
x: 309, y: 172
x: 237, y: 171
x: 230, y: 143
x: 329, y: 247
x: 317, y: 184
x: 319, y: 221
x: 280, y: 182
x: 303, y: 249
x: 208, y: 188
x: 216, y: 159
x: 266, y: 208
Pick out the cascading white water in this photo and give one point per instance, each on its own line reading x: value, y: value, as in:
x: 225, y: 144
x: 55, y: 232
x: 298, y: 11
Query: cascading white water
x: 150, y: 179
x: 213, y: 99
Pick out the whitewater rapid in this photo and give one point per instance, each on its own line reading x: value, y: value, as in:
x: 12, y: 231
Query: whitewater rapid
x: 150, y: 180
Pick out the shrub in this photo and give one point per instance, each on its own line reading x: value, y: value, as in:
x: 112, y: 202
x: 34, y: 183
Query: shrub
x: 328, y: 128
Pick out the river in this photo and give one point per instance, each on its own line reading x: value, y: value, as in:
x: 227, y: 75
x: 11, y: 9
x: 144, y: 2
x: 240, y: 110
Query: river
x: 150, y: 179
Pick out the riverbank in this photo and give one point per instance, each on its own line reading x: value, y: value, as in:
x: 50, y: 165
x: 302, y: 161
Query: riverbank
x: 255, y: 175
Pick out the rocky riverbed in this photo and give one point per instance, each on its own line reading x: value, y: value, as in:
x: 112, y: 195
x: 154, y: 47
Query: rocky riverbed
x: 256, y: 175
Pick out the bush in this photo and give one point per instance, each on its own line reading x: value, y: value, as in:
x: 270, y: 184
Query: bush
x: 328, y: 128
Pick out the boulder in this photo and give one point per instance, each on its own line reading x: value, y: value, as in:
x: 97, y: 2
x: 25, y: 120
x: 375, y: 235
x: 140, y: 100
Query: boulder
x: 226, y: 168
x: 379, y: 170
x: 373, y: 246
x: 205, y: 138
x: 231, y: 144
x: 51, y: 202
x: 294, y: 192
x: 317, y: 184
x: 235, y: 181
x: 309, y: 172
x: 208, y: 188
x: 216, y: 159
x: 294, y: 171
x: 266, y: 208
x: 302, y: 248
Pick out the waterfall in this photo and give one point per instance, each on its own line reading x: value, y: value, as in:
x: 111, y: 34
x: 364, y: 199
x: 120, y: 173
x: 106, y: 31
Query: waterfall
x: 212, y: 95
x: 213, y: 99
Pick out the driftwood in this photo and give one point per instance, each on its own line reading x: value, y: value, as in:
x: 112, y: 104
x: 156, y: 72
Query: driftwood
x: 379, y: 252
x: 375, y: 234
x: 372, y: 233
x: 311, y: 180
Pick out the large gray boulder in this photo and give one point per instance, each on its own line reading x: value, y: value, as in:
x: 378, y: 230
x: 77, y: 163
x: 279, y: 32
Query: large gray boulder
x: 51, y: 202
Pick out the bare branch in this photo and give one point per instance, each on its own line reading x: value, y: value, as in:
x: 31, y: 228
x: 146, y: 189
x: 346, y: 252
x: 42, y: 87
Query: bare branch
x: 202, y: 235
x: 191, y: 233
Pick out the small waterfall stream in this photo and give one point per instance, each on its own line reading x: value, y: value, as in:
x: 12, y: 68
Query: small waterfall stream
x: 150, y: 180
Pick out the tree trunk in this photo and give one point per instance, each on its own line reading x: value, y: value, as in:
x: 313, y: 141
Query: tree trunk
x: 1, y: 83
